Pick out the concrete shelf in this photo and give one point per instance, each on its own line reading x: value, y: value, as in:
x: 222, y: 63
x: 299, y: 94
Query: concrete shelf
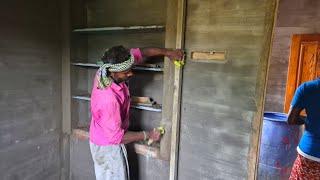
x: 142, y: 68
x: 123, y: 28
x: 82, y: 133
x: 86, y: 65
x: 81, y: 97
x: 155, y: 68
x: 153, y: 108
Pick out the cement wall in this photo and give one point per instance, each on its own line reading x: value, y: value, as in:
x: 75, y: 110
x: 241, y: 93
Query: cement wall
x: 294, y: 17
x: 30, y: 90
x: 221, y: 100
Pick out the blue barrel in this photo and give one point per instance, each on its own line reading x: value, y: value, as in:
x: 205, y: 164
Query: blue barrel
x: 278, y: 146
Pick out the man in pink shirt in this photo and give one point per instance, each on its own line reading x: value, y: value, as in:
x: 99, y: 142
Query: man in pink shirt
x: 110, y: 104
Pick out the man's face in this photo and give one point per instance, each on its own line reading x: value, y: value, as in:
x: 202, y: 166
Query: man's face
x: 122, y: 76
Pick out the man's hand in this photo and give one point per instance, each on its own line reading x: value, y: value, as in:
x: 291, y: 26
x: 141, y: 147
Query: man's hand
x: 176, y: 54
x: 154, y: 135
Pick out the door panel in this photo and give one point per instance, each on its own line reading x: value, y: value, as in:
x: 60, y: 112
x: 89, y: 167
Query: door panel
x: 307, y: 62
x: 304, y: 63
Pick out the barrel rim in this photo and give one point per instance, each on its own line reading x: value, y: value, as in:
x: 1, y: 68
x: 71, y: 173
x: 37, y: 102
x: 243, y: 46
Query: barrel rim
x: 283, y: 116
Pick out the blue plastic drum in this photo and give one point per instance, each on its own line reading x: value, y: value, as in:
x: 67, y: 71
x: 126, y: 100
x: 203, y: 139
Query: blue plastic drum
x: 278, y: 146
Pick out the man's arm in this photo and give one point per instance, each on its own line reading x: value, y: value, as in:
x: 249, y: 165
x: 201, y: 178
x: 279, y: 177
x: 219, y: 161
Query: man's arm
x: 175, y: 54
x: 131, y: 136
x: 294, y: 117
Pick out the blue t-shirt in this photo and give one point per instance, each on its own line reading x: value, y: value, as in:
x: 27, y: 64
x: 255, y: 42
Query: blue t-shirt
x: 307, y: 96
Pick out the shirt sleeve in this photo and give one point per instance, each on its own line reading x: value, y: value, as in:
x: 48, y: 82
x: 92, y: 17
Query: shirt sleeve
x: 111, y: 122
x: 298, y: 98
x: 137, y: 55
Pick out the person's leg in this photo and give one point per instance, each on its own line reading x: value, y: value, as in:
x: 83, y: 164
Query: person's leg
x: 108, y: 162
x: 100, y: 164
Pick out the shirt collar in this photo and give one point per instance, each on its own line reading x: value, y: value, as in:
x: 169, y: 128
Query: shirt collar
x: 116, y: 86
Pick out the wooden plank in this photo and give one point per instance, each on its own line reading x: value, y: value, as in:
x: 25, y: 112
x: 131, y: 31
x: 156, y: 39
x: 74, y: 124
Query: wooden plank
x: 168, y: 71
x: 176, y: 108
x: 208, y: 56
x: 145, y: 100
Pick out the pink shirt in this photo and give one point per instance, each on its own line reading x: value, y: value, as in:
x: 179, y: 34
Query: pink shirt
x: 110, y: 110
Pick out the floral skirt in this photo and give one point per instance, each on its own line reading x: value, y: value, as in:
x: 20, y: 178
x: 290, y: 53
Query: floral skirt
x: 305, y: 169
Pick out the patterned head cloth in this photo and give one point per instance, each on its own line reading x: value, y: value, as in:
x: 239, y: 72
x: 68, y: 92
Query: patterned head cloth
x: 103, y: 75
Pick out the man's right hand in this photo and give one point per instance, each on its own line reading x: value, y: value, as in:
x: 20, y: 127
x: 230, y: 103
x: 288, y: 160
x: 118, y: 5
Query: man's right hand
x: 154, y: 135
x: 176, y: 54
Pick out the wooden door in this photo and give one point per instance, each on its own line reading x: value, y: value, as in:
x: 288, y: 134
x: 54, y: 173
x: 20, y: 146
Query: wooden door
x: 304, y: 63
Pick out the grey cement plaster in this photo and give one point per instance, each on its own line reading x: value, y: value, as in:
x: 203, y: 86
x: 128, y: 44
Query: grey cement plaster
x: 30, y: 91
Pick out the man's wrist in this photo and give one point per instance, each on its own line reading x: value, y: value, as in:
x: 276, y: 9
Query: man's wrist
x: 145, y: 135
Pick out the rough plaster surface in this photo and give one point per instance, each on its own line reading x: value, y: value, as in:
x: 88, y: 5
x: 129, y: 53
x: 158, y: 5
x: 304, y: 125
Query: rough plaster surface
x: 30, y: 90
x: 219, y: 100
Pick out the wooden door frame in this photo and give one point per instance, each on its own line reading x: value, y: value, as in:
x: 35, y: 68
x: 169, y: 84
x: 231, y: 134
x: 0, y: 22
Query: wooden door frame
x: 294, y: 66
x: 175, y: 31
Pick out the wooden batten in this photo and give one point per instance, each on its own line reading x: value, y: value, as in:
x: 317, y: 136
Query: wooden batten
x: 208, y: 56
x: 179, y: 24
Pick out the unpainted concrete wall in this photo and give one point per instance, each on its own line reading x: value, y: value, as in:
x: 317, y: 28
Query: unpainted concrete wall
x: 221, y: 100
x: 30, y: 90
x: 294, y: 17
